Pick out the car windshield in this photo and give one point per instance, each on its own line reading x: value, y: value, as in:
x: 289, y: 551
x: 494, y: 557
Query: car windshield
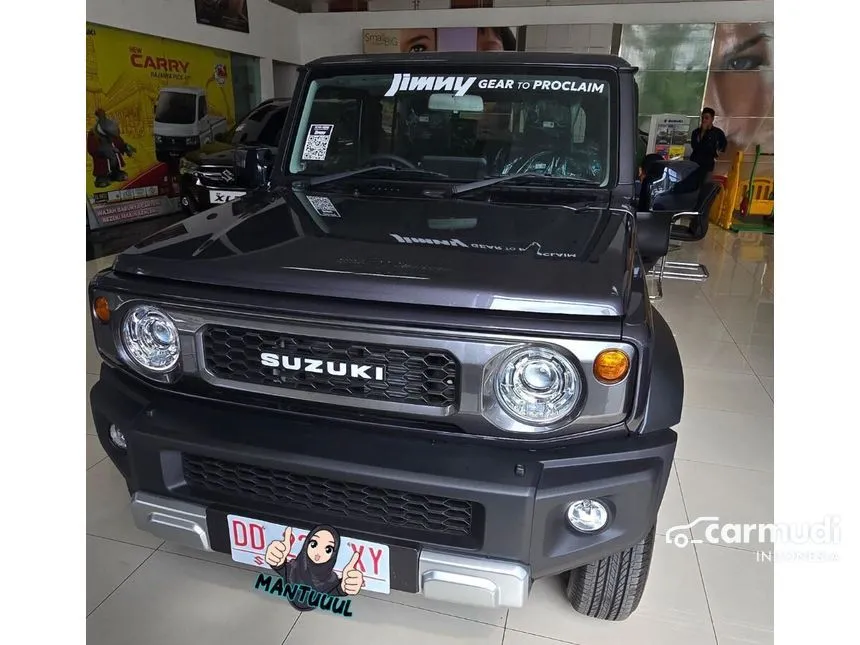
x: 176, y: 107
x: 261, y: 127
x: 464, y: 127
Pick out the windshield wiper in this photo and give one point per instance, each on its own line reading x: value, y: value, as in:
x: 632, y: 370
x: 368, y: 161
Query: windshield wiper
x: 346, y: 174
x: 462, y: 189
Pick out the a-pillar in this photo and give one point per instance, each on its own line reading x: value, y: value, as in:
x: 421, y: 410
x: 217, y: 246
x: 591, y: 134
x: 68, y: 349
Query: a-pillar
x: 267, y: 79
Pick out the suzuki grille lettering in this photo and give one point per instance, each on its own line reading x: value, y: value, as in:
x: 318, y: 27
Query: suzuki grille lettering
x: 317, y: 366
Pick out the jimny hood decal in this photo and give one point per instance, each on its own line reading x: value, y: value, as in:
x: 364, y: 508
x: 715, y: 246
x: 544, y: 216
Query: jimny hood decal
x: 534, y: 247
x: 456, y: 253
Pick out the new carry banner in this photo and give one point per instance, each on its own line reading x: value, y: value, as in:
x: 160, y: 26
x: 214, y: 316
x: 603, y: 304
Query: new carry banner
x: 149, y: 101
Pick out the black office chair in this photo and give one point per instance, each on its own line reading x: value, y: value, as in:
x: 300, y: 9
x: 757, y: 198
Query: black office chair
x: 694, y: 228
x: 653, y: 229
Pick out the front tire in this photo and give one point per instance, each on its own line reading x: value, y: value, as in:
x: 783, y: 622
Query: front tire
x: 611, y: 588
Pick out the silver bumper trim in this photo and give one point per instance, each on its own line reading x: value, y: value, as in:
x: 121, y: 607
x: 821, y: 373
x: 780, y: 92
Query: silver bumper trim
x: 465, y: 580
x: 480, y: 582
x: 170, y: 519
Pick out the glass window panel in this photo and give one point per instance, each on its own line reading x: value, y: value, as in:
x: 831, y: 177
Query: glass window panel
x: 671, y: 92
x: 667, y: 47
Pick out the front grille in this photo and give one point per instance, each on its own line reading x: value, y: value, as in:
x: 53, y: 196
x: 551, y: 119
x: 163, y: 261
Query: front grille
x: 217, y: 176
x: 294, y: 493
x: 408, y: 375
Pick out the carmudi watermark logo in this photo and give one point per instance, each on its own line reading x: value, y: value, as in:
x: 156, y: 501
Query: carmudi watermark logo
x: 778, y: 540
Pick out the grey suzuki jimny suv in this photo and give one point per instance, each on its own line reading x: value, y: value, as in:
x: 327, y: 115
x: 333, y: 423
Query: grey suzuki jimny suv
x: 428, y: 326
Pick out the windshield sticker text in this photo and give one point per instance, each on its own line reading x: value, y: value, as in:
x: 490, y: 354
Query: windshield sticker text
x: 460, y: 85
x: 534, y: 246
x: 590, y: 87
x: 408, y: 83
x: 316, y: 145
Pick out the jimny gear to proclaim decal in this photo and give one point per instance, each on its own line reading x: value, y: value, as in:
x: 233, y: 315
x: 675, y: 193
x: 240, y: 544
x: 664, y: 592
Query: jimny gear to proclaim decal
x: 310, y: 581
x: 460, y: 85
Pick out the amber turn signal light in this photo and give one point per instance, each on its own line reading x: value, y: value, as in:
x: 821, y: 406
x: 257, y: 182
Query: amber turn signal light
x: 101, y: 308
x: 611, y: 366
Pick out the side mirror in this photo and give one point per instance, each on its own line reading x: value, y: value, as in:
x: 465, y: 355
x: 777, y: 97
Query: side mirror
x: 251, y: 166
x: 221, y: 137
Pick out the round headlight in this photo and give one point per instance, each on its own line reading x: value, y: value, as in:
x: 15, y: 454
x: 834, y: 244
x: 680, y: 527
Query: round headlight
x: 538, y: 386
x: 150, y: 338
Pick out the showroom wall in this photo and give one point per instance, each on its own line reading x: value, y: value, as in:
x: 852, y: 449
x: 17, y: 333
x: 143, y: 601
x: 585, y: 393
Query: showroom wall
x: 725, y: 66
x: 577, y: 39
x: 273, y: 29
x: 285, y: 79
x: 326, y: 34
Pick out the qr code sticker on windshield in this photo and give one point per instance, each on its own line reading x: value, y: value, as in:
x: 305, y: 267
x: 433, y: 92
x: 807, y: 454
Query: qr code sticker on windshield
x: 323, y: 206
x: 316, y: 145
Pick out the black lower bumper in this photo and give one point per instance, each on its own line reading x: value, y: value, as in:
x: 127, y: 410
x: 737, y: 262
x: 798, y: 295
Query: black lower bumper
x: 194, y: 192
x: 475, y: 499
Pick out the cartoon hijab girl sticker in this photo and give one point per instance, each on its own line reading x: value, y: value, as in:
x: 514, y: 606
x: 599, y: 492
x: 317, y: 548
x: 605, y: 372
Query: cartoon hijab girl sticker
x: 313, y: 567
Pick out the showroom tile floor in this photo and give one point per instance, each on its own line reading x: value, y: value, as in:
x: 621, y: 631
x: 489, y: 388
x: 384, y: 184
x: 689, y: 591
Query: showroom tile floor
x: 141, y: 590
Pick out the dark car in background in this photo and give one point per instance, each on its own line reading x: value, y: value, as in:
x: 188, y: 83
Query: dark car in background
x: 207, y: 175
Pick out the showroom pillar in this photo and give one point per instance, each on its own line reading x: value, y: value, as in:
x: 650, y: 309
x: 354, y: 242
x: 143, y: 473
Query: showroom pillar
x: 267, y: 79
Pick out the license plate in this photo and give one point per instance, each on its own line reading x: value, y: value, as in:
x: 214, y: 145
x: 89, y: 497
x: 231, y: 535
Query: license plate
x: 224, y: 196
x: 249, y: 539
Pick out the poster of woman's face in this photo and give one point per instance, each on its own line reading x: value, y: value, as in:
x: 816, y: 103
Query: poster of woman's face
x: 740, y: 84
x: 416, y: 40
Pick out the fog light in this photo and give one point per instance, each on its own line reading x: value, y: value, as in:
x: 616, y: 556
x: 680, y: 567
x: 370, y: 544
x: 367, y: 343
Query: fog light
x: 587, y: 515
x: 117, y: 438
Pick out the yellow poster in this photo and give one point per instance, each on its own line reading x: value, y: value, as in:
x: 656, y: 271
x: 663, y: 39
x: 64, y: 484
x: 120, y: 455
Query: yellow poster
x: 149, y: 101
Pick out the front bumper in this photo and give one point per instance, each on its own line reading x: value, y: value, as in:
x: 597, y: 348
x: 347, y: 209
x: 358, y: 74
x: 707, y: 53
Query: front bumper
x: 192, y: 189
x: 465, y: 580
x: 171, y: 149
x: 517, y: 529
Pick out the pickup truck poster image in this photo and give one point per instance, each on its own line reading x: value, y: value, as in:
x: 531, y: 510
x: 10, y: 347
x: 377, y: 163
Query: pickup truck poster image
x: 149, y: 101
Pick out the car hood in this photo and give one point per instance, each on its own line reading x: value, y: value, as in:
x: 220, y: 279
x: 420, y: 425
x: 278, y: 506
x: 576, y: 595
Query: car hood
x: 213, y: 154
x: 174, y: 129
x: 571, y: 259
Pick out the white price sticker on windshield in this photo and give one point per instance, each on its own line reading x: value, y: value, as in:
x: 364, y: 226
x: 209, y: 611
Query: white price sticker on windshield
x: 316, y: 145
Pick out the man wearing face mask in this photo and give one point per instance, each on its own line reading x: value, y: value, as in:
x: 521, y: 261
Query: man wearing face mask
x: 708, y: 142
